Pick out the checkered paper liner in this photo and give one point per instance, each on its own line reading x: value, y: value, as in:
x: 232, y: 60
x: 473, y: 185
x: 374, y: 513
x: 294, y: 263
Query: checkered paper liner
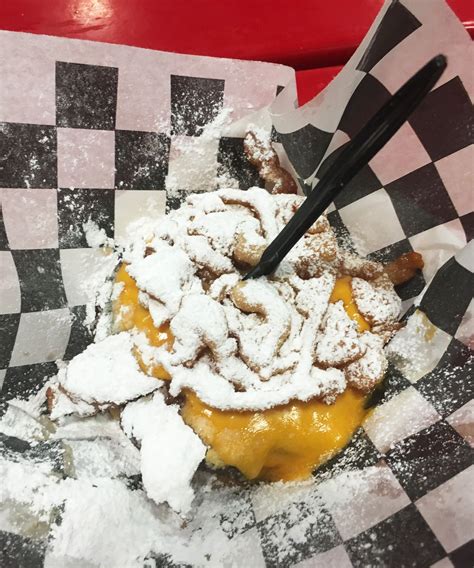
x: 111, y: 133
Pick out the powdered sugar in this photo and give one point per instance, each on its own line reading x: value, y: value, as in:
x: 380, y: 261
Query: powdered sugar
x: 339, y: 341
x: 95, y: 236
x: 96, y: 510
x: 378, y: 304
x: 15, y: 422
x: 368, y: 370
x: 166, y: 275
x: 64, y: 405
x: 259, y: 344
x: 261, y: 336
x: 270, y: 393
x: 106, y: 458
x: 200, y: 322
x: 104, y: 523
x: 26, y: 482
x: 170, y: 451
x: 261, y: 202
x: 260, y: 143
x: 106, y: 372
x: 201, y: 253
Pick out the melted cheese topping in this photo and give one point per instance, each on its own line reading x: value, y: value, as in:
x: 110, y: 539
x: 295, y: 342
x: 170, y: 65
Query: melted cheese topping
x: 280, y: 444
x: 283, y: 443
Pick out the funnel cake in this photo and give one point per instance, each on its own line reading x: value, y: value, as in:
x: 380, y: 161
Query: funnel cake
x: 272, y: 374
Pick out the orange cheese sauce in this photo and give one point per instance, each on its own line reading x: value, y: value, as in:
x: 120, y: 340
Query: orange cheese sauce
x: 283, y: 443
x: 280, y: 444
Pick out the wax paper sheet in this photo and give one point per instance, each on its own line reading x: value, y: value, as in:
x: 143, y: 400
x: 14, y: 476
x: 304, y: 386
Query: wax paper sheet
x: 107, y: 134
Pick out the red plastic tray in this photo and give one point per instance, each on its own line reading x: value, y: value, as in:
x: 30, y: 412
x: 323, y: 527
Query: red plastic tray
x: 306, y: 34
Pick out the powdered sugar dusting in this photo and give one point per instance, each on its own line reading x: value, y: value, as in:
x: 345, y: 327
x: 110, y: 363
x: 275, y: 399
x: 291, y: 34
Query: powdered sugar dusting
x: 96, y: 511
x: 95, y: 236
x: 260, y: 341
x: 378, y: 304
x: 368, y: 370
x: 166, y: 276
x: 106, y: 372
x: 170, y: 451
x: 339, y: 341
x: 201, y: 320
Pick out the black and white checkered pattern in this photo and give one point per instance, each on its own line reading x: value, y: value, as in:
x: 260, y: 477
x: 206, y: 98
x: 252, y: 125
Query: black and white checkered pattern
x: 103, y: 144
x: 417, y: 190
x: 416, y: 194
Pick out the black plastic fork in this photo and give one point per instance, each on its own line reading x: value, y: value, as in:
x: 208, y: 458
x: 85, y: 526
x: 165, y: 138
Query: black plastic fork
x: 363, y: 147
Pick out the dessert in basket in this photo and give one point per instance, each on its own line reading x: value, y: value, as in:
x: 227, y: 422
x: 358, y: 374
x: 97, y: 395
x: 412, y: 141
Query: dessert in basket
x: 271, y: 375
